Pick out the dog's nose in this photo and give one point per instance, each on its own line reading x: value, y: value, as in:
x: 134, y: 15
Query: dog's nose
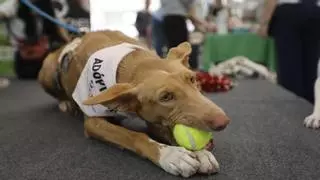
x: 220, y: 128
x: 218, y: 122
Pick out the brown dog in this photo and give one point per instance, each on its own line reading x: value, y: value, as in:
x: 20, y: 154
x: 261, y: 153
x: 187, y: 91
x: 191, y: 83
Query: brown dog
x: 163, y: 92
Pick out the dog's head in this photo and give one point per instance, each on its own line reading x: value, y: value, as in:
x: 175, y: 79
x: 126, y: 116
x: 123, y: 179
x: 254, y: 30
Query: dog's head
x: 167, y: 96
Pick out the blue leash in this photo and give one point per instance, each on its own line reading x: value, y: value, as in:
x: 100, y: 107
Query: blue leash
x: 47, y: 16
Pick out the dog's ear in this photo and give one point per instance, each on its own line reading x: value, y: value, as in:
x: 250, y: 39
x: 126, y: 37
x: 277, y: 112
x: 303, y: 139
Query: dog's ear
x: 181, y: 53
x: 121, y: 97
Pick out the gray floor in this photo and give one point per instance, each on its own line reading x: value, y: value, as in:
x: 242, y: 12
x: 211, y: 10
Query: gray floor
x: 266, y: 140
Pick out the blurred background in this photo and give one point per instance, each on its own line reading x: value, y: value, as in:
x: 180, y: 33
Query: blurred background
x: 236, y: 38
x: 121, y: 15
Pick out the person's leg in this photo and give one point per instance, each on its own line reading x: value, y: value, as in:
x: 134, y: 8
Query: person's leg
x: 158, y: 37
x: 286, y: 33
x: 149, y: 36
x: 162, y: 38
x: 311, y: 52
x: 26, y: 69
x: 155, y: 36
x: 193, y: 59
x: 175, y: 29
x: 4, y: 82
x: 18, y: 66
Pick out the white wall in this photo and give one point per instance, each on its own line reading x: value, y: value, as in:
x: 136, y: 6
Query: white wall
x: 117, y: 14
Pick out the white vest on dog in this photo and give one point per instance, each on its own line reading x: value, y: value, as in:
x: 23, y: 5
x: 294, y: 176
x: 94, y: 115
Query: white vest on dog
x: 98, y: 75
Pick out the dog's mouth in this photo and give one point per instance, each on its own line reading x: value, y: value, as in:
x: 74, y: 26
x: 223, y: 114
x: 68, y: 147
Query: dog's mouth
x: 210, y: 145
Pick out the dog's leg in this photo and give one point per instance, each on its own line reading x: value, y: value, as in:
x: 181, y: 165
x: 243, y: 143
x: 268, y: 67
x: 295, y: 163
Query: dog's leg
x: 313, y: 121
x: 70, y: 107
x: 208, y: 163
x: 175, y: 160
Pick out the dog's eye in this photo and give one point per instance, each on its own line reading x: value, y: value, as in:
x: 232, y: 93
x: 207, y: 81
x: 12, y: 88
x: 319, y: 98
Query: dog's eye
x: 166, y: 96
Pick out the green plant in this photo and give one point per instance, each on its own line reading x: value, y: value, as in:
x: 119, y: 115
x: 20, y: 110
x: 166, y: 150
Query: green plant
x: 6, y: 68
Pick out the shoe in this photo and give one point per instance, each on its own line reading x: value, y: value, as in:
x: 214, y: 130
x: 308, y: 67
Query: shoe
x: 4, y: 82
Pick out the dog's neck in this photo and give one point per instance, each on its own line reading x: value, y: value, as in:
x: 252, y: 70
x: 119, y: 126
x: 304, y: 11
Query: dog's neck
x: 136, y: 66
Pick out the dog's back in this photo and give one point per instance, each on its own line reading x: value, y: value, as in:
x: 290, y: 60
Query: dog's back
x: 64, y: 66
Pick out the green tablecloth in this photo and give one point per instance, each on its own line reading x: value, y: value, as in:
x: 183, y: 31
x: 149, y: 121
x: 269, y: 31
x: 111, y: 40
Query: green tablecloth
x: 218, y: 48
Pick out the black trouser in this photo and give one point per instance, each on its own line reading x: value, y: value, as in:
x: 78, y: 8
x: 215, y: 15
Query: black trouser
x: 27, y: 69
x: 296, y: 31
x: 176, y: 32
x: 175, y: 29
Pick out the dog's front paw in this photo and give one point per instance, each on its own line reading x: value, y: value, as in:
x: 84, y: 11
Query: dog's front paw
x: 312, y: 121
x: 208, y: 163
x: 178, y: 161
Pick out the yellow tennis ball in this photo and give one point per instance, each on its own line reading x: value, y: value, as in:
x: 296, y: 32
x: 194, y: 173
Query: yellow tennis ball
x: 191, y: 138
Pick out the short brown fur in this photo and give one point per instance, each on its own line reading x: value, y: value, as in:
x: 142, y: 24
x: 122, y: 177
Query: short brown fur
x: 163, y: 92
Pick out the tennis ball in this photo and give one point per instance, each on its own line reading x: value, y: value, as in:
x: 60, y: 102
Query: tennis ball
x: 191, y: 138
